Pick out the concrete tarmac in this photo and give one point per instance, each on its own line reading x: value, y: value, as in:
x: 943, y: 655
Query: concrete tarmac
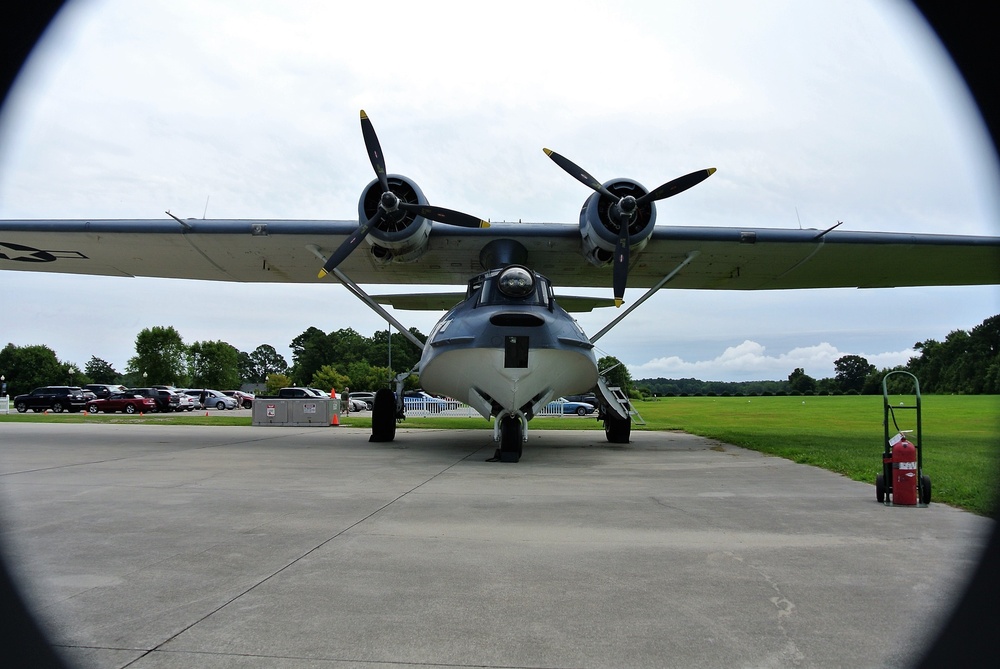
x: 156, y: 546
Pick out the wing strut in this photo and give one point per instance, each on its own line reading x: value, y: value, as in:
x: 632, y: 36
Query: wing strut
x: 359, y: 293
x: 659, y: 284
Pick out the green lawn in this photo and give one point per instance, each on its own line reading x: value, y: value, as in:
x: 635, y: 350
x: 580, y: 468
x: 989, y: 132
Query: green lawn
x: 961, y: 434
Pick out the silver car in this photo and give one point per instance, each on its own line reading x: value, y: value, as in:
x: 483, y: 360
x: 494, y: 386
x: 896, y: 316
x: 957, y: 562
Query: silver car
x: 213, y: 398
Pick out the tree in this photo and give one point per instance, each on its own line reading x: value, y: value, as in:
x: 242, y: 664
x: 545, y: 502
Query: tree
x: 254, y: 367
x: 28, y: 367
x: 276, y: 382
x: 159, y: 356
x: 213, y: 364
x: 800, y: 382
x: 329, y: 378
x: 363, y: 376
x: 310, y: 350
x: 101, y: 371
x: 615, y: 373
x: 851, y: 372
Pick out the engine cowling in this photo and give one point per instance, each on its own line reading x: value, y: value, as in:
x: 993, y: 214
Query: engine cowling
x: 600, y: 232
x: 402, y: 236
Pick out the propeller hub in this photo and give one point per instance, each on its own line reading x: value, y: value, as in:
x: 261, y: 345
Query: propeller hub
x: 389, y: 201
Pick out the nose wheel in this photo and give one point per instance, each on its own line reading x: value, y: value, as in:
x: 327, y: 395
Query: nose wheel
x: 511, y: 438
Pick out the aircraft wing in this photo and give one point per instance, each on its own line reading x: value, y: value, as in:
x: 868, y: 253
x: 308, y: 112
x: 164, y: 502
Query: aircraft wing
x: 291, y: 251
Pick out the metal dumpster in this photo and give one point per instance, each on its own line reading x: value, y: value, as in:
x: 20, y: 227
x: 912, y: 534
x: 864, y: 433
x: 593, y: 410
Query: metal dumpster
x: 295, y: 412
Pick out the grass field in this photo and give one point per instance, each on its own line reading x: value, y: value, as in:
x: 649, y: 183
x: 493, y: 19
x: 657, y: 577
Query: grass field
x: 961, y: 434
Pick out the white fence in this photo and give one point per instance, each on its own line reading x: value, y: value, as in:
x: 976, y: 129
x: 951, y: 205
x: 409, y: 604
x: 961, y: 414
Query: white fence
x: 5, y: 404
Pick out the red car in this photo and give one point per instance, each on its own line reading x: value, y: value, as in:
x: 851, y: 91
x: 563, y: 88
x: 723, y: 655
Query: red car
x: 124, y: 402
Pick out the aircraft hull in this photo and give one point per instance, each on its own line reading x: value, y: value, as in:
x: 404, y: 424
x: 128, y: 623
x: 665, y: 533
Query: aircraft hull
x: 470, y: 374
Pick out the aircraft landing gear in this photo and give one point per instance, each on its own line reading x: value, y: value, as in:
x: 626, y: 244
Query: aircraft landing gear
x: 617, y: 430
x: 511, y: 439
x: 383, y: 416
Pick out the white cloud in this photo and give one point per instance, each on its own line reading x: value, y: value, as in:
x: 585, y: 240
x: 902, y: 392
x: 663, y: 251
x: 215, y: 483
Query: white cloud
x: 750, y: 361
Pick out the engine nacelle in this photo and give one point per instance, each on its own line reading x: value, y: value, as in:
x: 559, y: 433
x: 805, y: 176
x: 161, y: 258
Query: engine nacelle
x: 600, y: 232
x: 399, y: 237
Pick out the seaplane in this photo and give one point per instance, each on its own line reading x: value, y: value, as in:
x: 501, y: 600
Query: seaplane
x: 508, y: 344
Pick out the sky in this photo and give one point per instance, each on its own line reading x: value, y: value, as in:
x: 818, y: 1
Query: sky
x: 813, y: 113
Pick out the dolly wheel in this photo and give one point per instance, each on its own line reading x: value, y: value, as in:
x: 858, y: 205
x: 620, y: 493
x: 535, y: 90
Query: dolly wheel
x: 925, y: 489
x: 880, y: 488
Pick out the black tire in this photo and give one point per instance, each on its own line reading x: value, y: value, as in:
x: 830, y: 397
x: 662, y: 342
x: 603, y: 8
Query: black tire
x: 925, y: 489
x: 384, y: 416
x: 581, y: 411
x: 617, y: 430
x: 57, y: 407
x: 880, y: 489
x: 21, y: 407
x: 93, y: 409
x: 129, y: 408
x: 511, y: 439
x: 220, y: 405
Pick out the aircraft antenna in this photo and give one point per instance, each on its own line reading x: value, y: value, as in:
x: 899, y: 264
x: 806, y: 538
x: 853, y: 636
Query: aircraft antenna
x: 798, y: 218
x: 208, y: 197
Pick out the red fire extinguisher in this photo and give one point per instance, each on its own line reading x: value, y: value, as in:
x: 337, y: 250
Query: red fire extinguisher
x: 904, y: 472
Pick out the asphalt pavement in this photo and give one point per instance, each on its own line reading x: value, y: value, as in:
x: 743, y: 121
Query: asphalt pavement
x: 158, y: 546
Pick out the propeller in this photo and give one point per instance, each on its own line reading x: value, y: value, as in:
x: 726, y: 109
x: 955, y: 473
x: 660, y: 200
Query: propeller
x: 624, y: 209
x: 390, y: 206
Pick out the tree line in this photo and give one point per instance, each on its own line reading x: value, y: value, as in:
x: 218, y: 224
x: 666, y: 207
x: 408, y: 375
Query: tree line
x: 336, y: 359
x: 964, y: 363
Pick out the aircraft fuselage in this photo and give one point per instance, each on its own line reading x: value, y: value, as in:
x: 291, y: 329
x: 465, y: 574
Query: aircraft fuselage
x: 508, y: 348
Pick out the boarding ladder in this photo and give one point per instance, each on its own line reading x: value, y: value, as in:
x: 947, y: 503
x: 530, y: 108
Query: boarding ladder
x: 623, y: 399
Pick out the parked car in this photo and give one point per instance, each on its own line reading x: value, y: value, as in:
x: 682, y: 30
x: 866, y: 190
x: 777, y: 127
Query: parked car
x: 126, y: 402
x: 54, y: 398
x: 213, y: 398
x: 242, y: 399
x: 365, y: 396
x: 418, y: 400
x: 102, y: 390
x: 184, y: 402
x: 358, y: 405
x: 579, y: 408
x: 292, y: 393
x: 166, y: 402
x: 586, y: 398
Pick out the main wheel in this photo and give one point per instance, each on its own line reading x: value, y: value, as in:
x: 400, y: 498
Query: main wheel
x: 617, y: 430
x: 925, y: 489
x: 384, y: 416
x: 511, y: 439
x: 880, y: 488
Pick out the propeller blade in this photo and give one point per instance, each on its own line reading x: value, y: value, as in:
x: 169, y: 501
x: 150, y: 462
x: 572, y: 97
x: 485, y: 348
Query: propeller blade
x: 579, y: 173
x: 349, y: 244
x: 448, y: 216
x: 678, y: 185
x: 374, y: 151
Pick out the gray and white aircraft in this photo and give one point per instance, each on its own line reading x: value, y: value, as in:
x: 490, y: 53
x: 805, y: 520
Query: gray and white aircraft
x: 507, y: 345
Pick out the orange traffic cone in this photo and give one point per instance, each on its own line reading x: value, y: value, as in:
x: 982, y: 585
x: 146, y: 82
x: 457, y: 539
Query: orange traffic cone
x: 336, y: 418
